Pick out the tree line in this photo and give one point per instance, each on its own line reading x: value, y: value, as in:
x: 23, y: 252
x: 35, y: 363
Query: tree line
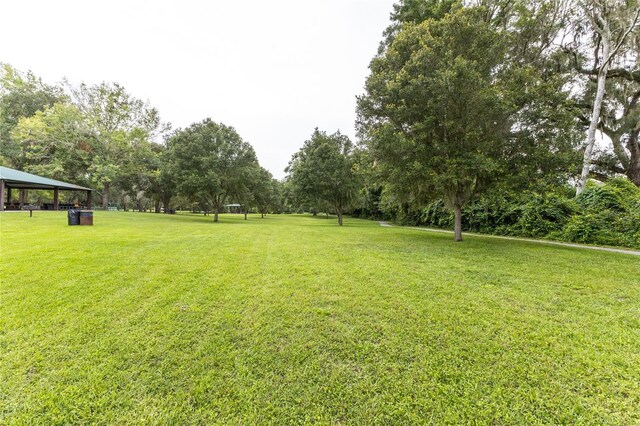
x: 102, y: 136
x: 470, y: 101
x: 470, y: 97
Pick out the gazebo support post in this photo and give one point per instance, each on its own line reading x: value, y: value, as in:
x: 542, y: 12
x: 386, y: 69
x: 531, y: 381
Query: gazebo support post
x: 22, y: 198
x: 89, y: 200
x: 1, y: 195
x: 8, y: 195
x: 56, y: 204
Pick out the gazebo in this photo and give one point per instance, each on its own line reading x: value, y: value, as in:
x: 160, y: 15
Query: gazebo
x: 15, y: 179
x: 232, y: 208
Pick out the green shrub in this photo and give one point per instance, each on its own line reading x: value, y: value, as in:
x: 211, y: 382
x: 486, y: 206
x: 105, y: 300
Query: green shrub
x: 437, y: 215
x: 541, y: 215
x: 407, y: 216
x: 590, y: 228
x: 607, y: 214
x: 491, y: 215
x: 617, y: 194
x: 606, y: 227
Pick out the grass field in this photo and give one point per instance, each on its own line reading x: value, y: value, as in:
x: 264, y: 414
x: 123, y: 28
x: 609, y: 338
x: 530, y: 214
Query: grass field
x: 158, y: 319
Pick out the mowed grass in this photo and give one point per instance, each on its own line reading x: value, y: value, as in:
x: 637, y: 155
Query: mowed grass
x: 158, y: 319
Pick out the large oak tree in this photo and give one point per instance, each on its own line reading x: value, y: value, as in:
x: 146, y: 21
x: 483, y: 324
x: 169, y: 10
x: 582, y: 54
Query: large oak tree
x: 212, y: 163
x: 322, y: 172
x: 121, y: 124
x: 453, y: 105
x: 434, y: 116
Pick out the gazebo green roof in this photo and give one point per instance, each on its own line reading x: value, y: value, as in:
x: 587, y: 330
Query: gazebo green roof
x: 16, y: 179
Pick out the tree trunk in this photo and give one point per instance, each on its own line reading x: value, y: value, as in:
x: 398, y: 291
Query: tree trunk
x: 595, y: 114
x: 340, y: 217
x: 618, y: 148
x: 215, y: 214
x: 262, y: 215
x: 457, y: 228
x: 245, y: 214
x: 105, y: 196
x: 633, y: 171
x: 591, y: 134
x: 156, y: 206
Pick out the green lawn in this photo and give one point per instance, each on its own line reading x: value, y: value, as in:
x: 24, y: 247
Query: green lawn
x: 158, y: 319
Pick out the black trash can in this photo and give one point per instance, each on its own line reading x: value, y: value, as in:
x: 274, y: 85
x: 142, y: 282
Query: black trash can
x: 86, y: 217
x: 73, y: 217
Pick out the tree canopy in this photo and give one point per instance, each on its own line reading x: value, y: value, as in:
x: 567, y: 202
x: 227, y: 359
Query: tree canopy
x: 212, y: 163
x: 322, y: 172
x: 444, y: 112
x: 435, y: 114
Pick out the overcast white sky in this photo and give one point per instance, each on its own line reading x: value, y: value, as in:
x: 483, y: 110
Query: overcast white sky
x: 274, y: 69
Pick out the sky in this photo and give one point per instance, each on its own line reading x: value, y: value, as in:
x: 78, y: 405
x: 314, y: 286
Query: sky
x: 274, y: 70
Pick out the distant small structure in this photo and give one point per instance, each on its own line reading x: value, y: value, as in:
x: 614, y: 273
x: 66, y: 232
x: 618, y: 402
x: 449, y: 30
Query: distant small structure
x: 15, y: 179
x: 233, y: 208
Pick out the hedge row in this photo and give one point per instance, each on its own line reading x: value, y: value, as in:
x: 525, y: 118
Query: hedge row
x: 604, y: 214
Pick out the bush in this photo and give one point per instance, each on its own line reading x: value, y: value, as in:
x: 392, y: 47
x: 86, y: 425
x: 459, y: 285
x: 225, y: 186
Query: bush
x: 544, y: 215
x: 437, y: 215
x: 617, y: 194
x: 591, y: 228
x: 491, y: 215
x: 605, y: 228
x: 607, y: 214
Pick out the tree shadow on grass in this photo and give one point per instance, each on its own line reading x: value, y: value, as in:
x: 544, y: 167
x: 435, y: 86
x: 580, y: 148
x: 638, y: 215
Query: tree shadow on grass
x: 201, y: 218
x: 331, y: 220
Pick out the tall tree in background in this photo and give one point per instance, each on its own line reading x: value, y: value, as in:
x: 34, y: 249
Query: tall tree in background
x: 140, y: 161
x: 249, y: 185
x: 454, y: 104
x: 55, y: 142
x: 163, y: 185
x: 434, y: 114
x: 21, y: 96
x: 620, y: 121
x: 609, y: 34
x: 545, y: 132
x: 119, y: 122
x: 212, y: 163
x: 323, y: 170
x: 464, y: 95
x: 265, y: 192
